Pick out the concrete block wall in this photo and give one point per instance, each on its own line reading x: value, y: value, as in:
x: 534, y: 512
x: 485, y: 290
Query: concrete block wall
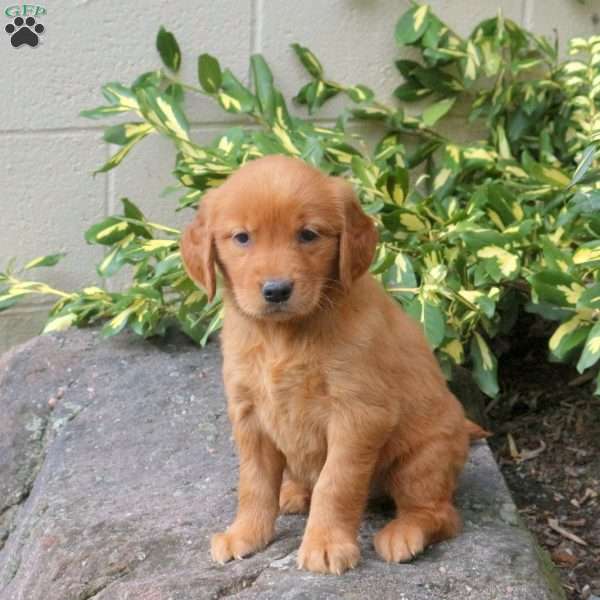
x: 47, y: 152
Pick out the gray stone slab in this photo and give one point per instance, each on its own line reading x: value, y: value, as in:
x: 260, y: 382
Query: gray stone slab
x: 113, y: 492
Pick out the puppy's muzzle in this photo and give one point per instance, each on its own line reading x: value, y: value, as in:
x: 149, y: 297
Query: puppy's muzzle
x: 277, y: 290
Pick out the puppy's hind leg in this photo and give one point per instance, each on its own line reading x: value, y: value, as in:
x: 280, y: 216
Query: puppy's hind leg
x: 294, y: 497
x: 422, y: 485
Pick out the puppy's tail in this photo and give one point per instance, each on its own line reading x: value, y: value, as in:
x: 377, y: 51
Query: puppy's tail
x: 475, y: 431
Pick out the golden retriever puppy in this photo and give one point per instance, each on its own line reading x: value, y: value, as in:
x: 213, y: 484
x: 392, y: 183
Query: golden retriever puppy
x: 332, y: 389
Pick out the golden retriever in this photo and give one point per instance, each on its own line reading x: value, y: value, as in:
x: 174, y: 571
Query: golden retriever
x: 332, y: 389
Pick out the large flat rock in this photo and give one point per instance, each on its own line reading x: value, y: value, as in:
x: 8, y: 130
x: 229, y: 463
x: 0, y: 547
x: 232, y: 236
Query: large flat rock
x: 116, y: 466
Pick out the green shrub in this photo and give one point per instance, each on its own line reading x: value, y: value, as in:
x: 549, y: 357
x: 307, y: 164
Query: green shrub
x: 471, y: 233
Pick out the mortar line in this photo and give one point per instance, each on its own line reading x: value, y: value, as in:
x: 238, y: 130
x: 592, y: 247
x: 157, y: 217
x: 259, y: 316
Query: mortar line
x: 110, y: 204
x: 110, y: 183
x: 108, y: 189
x: 56, y: 130
x: 252, y: 41
x: 75, y: 130
x: 101, y: 128
x: 257, y: 24
x: 252, y: 33
x: 28, y: 308
x: 527, y: 14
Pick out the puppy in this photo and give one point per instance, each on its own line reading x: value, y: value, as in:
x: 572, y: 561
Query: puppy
x: 332, y: 389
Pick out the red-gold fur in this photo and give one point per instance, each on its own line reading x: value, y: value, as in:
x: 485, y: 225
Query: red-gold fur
x: 333, y: 395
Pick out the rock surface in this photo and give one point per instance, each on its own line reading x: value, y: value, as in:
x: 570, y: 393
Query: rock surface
x: 116, y: 466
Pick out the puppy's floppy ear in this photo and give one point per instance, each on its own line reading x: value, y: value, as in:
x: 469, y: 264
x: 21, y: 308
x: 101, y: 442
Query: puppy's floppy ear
x: 358, y: 240
x: 198, y: 247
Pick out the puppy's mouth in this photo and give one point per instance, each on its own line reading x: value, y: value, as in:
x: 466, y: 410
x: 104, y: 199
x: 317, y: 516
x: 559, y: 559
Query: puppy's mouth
x: 279, y: 309
x: 275, y: 308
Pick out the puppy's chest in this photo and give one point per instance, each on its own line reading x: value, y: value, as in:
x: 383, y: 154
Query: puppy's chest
x: 292, y: 403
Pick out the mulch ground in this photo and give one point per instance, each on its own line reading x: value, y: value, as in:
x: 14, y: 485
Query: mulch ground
x: 547, y: 441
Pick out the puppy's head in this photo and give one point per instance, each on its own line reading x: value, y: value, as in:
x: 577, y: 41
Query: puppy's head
x: 283, y: 235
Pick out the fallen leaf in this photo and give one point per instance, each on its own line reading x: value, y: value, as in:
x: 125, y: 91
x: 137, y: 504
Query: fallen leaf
x: 520, y: 456
x: 512, y: 446
x: 563, y: 557
x: 575, y: 522
x: 529, y: 454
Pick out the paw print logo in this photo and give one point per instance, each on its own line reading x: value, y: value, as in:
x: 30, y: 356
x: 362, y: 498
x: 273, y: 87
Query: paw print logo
x: 24, y: 32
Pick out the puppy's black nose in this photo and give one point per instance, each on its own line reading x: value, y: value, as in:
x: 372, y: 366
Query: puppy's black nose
x: 277, y: 290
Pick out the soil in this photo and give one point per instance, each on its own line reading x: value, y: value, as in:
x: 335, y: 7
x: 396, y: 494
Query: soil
x: 546, y: 425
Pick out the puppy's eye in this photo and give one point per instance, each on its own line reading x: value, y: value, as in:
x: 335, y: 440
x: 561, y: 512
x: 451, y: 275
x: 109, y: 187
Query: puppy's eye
x: 241, y: 238
x: 307, y: 235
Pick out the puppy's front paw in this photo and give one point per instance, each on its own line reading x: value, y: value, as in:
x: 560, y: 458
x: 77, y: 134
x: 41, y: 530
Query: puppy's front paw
x: 328, y: 552
x: 235, y: 544
x: 399, y: 541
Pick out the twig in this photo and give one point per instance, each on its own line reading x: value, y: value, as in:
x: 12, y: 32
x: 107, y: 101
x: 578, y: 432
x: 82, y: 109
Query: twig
x: 553, y: 524
x: 583, y: 378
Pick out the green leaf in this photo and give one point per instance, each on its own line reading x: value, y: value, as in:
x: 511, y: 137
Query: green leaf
x: 45, y: 261
x: 360, y: 93
x: 122, y: 134
x: 117, y: 158
x: 60, y: 323
x: 148, y: 79
x: 215, y: 324
x: 263, y: 84
x: 117, y: 323
x: 370, y: 113
x: 209, y: 73
x: 548, y: 311
x: 121, y: 100
x: 411, y: 91
x: 131, y: 211
x: 584, y: 164
x: 233, y: 96
x: 103, y: 111
x: 437, y: 80
x: 412, y: 25
x: 476, y: 238
x: 485, y: 366
x: 308, y: 60
x: 454, y: 349
x: 590, y: 298
x: 118, y: 94
x: 585, y: 202
x: 163, y: 112
x: 588, y: 253
x: 499, y: 263
x: 431, y: 318
x: 107, y: 232
x: 10, y: 299
x: 397, y: 185
x: 433, y: 113
x: 168, y: 48
x: 407, y: 68
x: 476, y: 156
x: 405, y: 275
x: 191, y: 198
x: 176, y: 92
x: 556, y: 287
x: 400, y: 278
x: 435, y: 33
x: 591, y: 350
x: 111, y: 263
x: 471, y: 63
x: 569, y: 335
x: 550, y: 175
